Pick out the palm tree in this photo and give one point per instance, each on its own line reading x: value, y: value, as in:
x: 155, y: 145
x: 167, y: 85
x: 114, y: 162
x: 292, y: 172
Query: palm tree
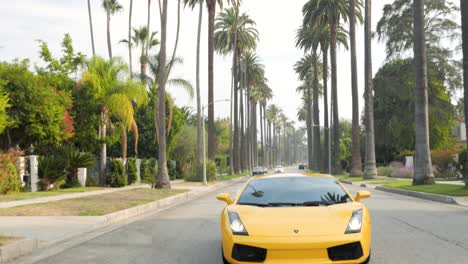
x: 111, y: 7
x: 130, y: 59
x: 143, y: 39
x: 370, y: 170
x: 320, y: 12
x: 464, y: 11
x: 91, y: 27
x: 115, y: 94
x: 356, y: 167
x: 235, y: 33
x: 272, y: 117
x: 177, y: 35
x: 163, y: 176
x: 211, y: 49
x: 262, y: 94
x: 192, y: 4
x: 423, y: 173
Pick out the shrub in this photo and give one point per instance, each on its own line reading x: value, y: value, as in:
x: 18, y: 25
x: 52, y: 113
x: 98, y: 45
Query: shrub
x: 51, y: 173
x: 462, y: 159
x: 444, y: 162
x: 118, y: 178
x: 197, y: 174
x: 404, y: 172
x: 132, y: 170
x: 9, y: 178
x: 74, y: 159
x: 383, y: 171
x: 149, y: 171
x: 393, y: 168
x: 90, y: 182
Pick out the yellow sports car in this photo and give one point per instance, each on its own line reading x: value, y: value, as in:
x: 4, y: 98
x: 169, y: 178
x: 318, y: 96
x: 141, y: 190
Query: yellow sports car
x: 292, y: 219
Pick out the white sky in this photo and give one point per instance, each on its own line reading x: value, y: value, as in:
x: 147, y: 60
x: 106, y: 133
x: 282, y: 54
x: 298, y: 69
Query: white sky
x: 24, y: 21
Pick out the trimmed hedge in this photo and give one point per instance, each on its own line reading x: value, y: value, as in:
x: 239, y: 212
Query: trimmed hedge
x: 197, y: 174
x: 118, y: 178
x: 9, y: 178
x: 132, y: 170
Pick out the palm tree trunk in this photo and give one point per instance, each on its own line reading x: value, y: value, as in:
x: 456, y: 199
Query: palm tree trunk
x: 370, y: 170
x: 326, y: 136
x: 177, y: 38
x: 148, y: 25
x: 464, y: 16
x: 136, y: 136
x: 236, y: 147
x: 316, y: 113
x: 199, y: 117
x: 163, y: 176
x: 91, y: 27
x: 423, y: 173
x: 356, y: 167
x: 243, y: 158
x: 336, y: 162
x: 211, y: 43
x: 102, y: 137
x: 109, y: 42
x: 123, y: 143
x: 143, y: 66
x: 262, y: 146
x: 130, y: 59
x: 309, y: 127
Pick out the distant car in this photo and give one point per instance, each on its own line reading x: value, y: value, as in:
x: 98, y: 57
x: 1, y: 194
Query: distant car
x: 301, y: 166
x: 265, y: 170
x: 258, y: 171
x: 279, y: 169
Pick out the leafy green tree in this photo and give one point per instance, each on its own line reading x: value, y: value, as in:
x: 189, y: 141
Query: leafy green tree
x: 4, y: 105
x: 114, y: 95
x: 394, y: 102
x: 38, y: 113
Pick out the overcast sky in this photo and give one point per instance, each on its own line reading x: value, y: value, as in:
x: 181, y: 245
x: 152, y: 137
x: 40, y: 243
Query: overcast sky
x: 24, y: 21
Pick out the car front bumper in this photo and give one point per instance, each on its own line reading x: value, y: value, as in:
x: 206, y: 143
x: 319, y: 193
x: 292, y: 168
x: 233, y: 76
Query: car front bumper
x: 297, y: 250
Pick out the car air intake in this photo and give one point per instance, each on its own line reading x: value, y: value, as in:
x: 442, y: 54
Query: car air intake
x: 345, y: 252
x: 248, y: 253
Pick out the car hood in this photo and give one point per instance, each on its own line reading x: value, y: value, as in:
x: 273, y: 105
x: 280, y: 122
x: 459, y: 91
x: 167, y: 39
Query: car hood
x: 295, y: 221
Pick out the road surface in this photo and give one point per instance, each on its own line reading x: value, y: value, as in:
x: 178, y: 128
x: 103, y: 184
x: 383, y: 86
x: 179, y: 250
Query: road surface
x: 405, y: 230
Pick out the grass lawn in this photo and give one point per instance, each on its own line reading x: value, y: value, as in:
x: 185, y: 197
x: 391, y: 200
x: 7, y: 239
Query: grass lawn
x: 230, y: 177
x: 444, y: 189
x: 30, y: 195
x: 6, y: 240
x: 186, y: 183
x: 92, y: 205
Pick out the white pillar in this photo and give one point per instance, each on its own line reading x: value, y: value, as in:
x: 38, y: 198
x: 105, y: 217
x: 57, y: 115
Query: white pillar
x: 138, y: 176
x: 33, y: 163
x: 21, y: 170
x: 82, y: 175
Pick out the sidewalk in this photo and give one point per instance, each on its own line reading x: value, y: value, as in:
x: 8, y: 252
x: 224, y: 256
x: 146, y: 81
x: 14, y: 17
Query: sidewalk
x: 67, y: 196
x: 54, y: 230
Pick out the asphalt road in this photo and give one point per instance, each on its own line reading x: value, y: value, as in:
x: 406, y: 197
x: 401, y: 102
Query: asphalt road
x: 405, y: 230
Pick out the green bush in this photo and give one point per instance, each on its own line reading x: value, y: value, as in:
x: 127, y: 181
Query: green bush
x: 90, y: 182
x: 132, y: 170
x: 149, y: 170
x: 197, y: 174
x: 444, y: 162
x: 118, y: 178
x: 9, y: 178
x: 383, y: 171
x: 51, y: 172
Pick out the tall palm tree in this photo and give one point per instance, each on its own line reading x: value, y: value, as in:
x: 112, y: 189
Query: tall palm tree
x: 174, y: 52
x: 143, y: 39
x: 262, y: 94
x: 464, y: 16
x: 111, y: 7
x: 235, y: 33
x: 163, y: 176
x: 356, y: 166
x: 423, y: 173
x: 211, y: 49
x: 370, y: 170
x: 192, y: 4
x: 130, y: 59
x: 148, y: 22
x: 91, y: 27
x: 331, y: 12
x: 116, y: 95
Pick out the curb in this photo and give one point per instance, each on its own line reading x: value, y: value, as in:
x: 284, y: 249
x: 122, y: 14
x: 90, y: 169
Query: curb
x: 28, y: 246
x: 421, y: 195
x: 346, y: 182
x: 18, y: 248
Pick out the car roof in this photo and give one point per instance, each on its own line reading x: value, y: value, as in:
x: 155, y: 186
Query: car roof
x: 286, y: 175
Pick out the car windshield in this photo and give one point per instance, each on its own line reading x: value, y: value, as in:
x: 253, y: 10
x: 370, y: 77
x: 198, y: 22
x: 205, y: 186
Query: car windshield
x: 293, y: 191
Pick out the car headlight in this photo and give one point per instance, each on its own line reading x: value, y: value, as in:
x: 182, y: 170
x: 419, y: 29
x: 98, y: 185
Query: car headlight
x: 355, y: 223
x: 237, y: 226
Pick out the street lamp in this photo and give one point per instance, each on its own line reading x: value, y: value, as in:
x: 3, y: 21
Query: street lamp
x: 205, y: 182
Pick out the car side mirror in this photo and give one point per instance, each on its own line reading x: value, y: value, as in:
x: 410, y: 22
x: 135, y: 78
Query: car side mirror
x: 225, y: 197
x: 362, y: 195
